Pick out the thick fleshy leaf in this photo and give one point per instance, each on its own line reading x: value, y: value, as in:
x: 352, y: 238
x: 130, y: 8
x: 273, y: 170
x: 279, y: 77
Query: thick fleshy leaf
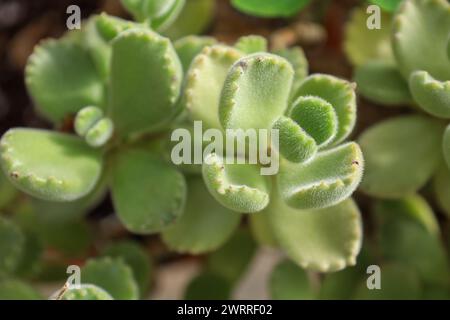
x: 7, y: 191
x: 331, y: 177
x: 441, y: 183
x: 297, y: 58
x: 382, y: 82
x: 251, y: 44
x: 62, y: 79
x: 205, y: 224
x: 84, y: 292
x: 339, y: 93
x: 11, y: 289
x: 295, y: 144
x: 388, y: 5
x: 135, y: 7
x: 189, y: 47
x: 49, y: 165
x: 289, y: 282
x: 362, y: 44
x: 414, y: 22
x: 401, y: 155
x: 110, y: 27
x: 205, y: 81
x: 112, y: 275
x: 256, y: 92
x: 322, y: 240
x: 270, y: 8
x: 239, y: 187
x: 262, y: 230
x: 341, y: 285
x: 12, y: 245
x: 136, y: 258
x: 317, y: 117
x: 432, y: 95
x: 232, y: 260
x: 146, y: 77
x: 164, y: 21
x: 208, y: 286
x: 148, y: 193
x: 30, y: 261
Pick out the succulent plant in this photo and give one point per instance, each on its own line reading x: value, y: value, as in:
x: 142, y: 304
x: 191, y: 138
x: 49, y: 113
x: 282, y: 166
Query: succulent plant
x: 270, y: 8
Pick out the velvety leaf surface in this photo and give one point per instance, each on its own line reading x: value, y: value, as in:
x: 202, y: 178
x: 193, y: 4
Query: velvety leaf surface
x: 331, y: 177
x: 110, y: 27
x: 148, y: 193
x: 205, y: 224
x: 297, y: 58
x: 164, y: 21
x: 239, y: 187
x: 256, y: 92
x: 270, y: 8
x: 289, y: 282
x: 86, y: 292
x: 322, y: 240
x: 49, y: 165
x: 189, y: 47
x: 146, y: 77
x: 401, y: 155
x: 251, y: 44
x: 62, y: 79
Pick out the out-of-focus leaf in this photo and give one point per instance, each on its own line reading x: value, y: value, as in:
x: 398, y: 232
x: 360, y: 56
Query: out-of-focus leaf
x: 208, y: 286
x: 270, y: 8
x: 289, y: 282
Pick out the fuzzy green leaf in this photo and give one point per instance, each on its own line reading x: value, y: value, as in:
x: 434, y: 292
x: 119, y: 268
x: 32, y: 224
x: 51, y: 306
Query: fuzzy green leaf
x: 12, y: 245
x: 112, y: 275
x: 432, y: 95
x: 401, y: 155
x: 189, y: 47
x: 110, y: 27
x: 289, y: 282
x: 414, y: 23
x: 205, y: 81
x: 85, y: 292
x: 49, y: 165
x: 62, y: 79
x: 146, y: 77
x: 322, y: 240
x: 11, y: 289
x: 298, y: 60
x: 295, y: 144
x: 204, y: 226
x: 317, y: 117
x: 382, y: 82
x: 86, y: 118
x: 256, y: 92
x: 148, y: 194
x: 331, y: 177
x: 239, y: 187
x: 339, y: 93
x: 251, y: 44
x: 270, y: 8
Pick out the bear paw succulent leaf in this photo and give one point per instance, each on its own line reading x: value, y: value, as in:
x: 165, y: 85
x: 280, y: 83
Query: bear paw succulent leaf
x: 251, y: 44
x: 49, y: 165
x: 84, y: 292
x: 329, y: 178
x: 237, y: 186
x: 110, y: 27
x: 261, y: 229
x: 204, y: 83
x: 339, y: 93
x: 415, y: 21
x: 62, y: 79
x: 146, y: 77
x: 256, y: 92
x: 12, y: 245
x: 393, y: 171
x: 113, y: 276
x: 432, y: 95
x: 189, y: 47
x: 148, y: 193
x: 382, y: 82
x: 388, y: 5
x: 204, y: 226
x: 298, y: 60
x: 270, y: 8
x: 324, y: 240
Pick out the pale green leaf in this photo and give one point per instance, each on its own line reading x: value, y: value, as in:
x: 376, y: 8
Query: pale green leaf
x: 270, y: 8
x: 84, y: 292
x: 289, y: 282
x: 262, y: 230
x: 441, y: 183
x: 298, y: 60
x: 189, y: 47
x: 251, y: 44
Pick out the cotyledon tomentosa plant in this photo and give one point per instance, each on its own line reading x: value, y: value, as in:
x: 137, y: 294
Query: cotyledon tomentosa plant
x: 407, y: 62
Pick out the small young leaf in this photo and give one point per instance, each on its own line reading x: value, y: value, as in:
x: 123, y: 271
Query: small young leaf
x: 239, y: 187
x: 86, y: 118
x: 100, y: 133
x: 270, y: 8
x: 62, y: 79
x: 110, y: 27
x: 112, y: 275
x: 316, y: 117
x: 164, y: 21
x: 148, y: 194
x: 256, y: 92
x: 289, y: 282
x: 251, y: 44
x: 85, y: 292
x: 204, y: 226
x: 329, y: 178
x: 49, y: 165
x: 135, y: 7
x: 295, y: 144
x: 322, y: 240
x: 205, y: 81
x: 189, y: 47
x: 208, y: 286
x: 339, y: 93
x: 432, y: 95
x: 12, y: 245
x: 11, y: 289
x: 388, y: 5
x: 382, y: 82
x: 297, y: 58
x: 414, y: 22
x: 401, y: 155
x: 146, y: 77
